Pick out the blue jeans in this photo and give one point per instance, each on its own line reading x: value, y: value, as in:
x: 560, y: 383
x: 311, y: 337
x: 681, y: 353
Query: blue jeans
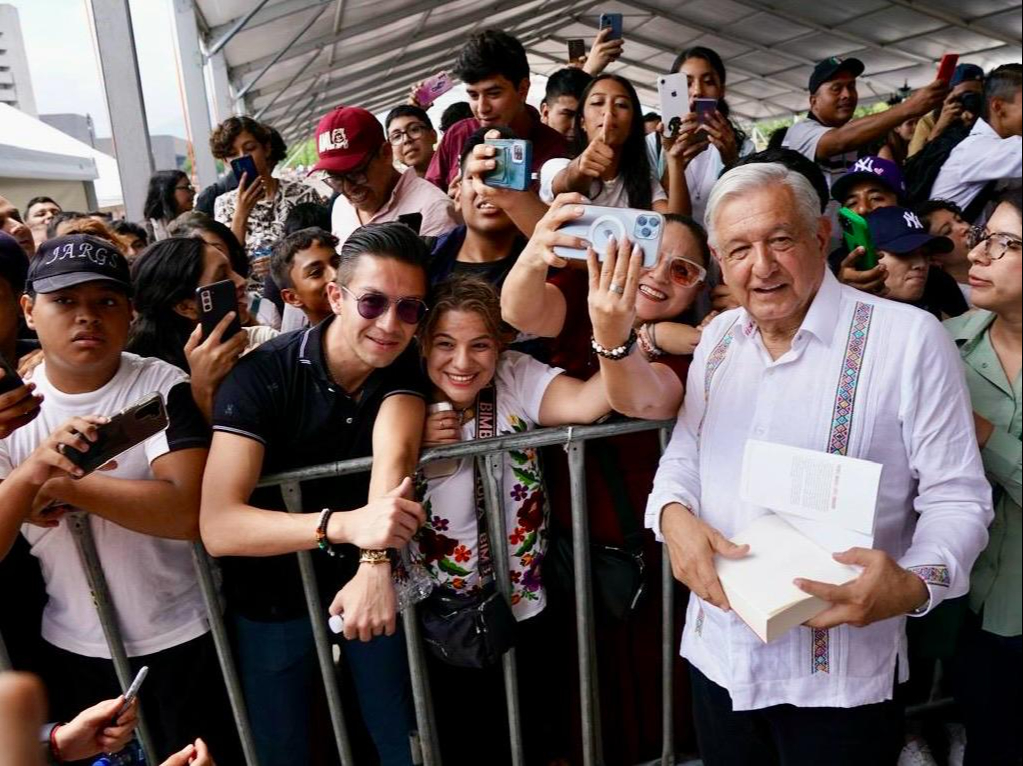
x: 278, y: 668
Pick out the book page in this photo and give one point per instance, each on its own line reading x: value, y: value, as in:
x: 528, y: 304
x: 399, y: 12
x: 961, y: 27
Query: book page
x: 835, y: 490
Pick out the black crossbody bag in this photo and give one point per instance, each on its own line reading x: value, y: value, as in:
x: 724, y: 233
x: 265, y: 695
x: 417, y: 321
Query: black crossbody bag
x: 472, y: 630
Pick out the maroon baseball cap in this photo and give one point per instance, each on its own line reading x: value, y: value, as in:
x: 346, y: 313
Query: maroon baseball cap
x: 345, y: 138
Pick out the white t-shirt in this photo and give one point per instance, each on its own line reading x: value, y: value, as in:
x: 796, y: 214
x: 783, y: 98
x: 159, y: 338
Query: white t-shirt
x: 152, y: 580
x: 447, y: 543
x: 803, y: 136
x: 608, y: 193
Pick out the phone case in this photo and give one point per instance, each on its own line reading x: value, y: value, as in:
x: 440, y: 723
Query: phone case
x: 576, y: 49
x: 614, y: 21
x: 598, y: 224
x: 856, y: 233
x: 244, y: 165
x: 214, y: 302
x: 11, y: 380
x: 947, y: 66
x: 434, y: 88
x: 128, y: 428
x: 514, y: 164
x: 704, y: 107
x: 673, y: 90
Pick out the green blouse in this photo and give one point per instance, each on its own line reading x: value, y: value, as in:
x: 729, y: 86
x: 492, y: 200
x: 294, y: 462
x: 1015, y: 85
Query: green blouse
x: 996, y: 581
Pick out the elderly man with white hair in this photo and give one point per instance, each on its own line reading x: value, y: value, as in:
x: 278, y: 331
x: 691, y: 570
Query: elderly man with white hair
x: 807, y: 362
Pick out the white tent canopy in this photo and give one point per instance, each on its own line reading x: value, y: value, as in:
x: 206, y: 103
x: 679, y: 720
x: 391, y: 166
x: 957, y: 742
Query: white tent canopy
x: 294, y: 59
x: 29, y: 148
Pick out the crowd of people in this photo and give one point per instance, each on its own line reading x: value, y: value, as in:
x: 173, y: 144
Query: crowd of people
x: 419, y: 306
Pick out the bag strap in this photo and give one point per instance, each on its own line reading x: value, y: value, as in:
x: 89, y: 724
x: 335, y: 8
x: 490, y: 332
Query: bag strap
x: 486, y: 417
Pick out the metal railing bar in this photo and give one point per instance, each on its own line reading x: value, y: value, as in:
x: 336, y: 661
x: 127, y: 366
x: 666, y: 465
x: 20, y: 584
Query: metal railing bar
x: 669, y: 652
x: 588, y: 693
x: 215, y: 613
x: 293, y: 500
x: 85, y: 543
x: 420, y: 681
x: 491, y: 468
x: 542, y: 437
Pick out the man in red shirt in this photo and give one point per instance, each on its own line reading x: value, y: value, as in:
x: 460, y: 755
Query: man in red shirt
x: 495, y: 71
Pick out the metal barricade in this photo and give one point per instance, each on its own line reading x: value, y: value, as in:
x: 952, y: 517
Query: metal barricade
x: 489, y: 453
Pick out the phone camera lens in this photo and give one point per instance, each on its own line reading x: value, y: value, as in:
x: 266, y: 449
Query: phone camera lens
x: 645, y: 233
x: 655, y: 221
x: 642, y: 221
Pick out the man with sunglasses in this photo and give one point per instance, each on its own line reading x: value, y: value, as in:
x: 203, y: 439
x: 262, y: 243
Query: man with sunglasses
x: 357, y: 161
x: 411, y: 133
x: 346, y: 388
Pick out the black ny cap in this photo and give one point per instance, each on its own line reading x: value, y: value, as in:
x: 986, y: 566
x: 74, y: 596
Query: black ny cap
x: 827, y: 69
x: 70, y: 260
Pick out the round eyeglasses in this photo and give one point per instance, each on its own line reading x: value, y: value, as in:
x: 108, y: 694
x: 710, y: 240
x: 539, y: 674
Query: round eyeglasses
x: 412, y: 132
x: 995, y: 244
x: 373, y: 305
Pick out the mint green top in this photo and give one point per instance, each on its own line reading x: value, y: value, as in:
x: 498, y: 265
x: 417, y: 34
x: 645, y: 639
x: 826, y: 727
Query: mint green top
x: 996, y: 583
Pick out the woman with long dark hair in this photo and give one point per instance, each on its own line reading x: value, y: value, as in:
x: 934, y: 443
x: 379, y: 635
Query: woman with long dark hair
x: 170, y: 194
x: 709, y: 147
x: 166, y: 324
x: 612, y: 167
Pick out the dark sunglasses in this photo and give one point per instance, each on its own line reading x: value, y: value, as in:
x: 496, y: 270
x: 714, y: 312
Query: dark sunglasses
x: 373, y: 305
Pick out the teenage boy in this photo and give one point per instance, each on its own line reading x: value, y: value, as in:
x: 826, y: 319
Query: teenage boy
x: 411, y: 133
x: 561, y: 100
x: 302, y: 265
x: 495, y: 71
x: 142, y: 512
x: 345, y: 388
x: 357, y: 162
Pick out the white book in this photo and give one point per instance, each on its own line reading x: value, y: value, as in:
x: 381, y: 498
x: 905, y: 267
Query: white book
x: 759, y: 586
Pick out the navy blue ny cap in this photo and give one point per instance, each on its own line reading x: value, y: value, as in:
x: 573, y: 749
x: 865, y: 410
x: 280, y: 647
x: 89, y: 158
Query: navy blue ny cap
x: 827, y: 69
x: 899, y: 231
x: 73, y: 259
x: 966, y: 73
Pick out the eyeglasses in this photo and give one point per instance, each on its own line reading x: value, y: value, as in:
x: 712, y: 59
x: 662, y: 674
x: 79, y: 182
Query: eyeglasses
x: 357, y: 177
x: 412, y: 132
x: 373, y: 305
x: 686, y: 273
x: 189, y: 188
x: 996, y: 245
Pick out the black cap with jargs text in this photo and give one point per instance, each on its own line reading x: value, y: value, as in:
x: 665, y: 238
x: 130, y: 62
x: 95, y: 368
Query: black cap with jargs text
x: 73, y: 259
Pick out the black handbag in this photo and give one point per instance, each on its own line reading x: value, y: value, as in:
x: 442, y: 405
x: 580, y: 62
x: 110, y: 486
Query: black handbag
x: 617, y: 573
x: 472, y: 630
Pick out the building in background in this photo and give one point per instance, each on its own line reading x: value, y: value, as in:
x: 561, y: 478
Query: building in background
x: 78, y: 126
x: 169, y: 152
x: 15, y: 80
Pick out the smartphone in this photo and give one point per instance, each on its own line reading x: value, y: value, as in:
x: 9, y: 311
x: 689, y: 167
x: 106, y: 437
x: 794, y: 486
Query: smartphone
x: 214, y: 302
x: 413, y: 220
x: 576, y: 50
x: 673, y: 90
x: 11, y: 379
x: 514, y: 161
x: 434, y: 88
x: 704, y: 108
x: 128, y: 428
x: 856, y: 233
x: 947, y: 66
x: 244, y: 165
x: 133, y: 691
x: 598, y: 224
x: 613, y: 21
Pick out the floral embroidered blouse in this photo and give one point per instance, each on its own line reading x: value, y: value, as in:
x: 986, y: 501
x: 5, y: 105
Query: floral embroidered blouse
x: 266, y: 220
x: 447, y: 544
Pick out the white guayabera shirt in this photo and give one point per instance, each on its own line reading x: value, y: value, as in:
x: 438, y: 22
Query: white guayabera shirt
x: 866, y: 377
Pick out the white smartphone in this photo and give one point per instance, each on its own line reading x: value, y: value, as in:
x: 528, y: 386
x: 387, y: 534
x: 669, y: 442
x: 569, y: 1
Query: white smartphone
x: 598, y: 224
x: 673, y: 90
x: 133, y: 690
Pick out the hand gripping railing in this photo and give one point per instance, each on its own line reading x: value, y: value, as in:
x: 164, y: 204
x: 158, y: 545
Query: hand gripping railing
x: 488, y: 453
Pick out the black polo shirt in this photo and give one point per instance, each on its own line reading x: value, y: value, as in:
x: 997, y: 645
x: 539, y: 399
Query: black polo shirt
x: 282, y: 396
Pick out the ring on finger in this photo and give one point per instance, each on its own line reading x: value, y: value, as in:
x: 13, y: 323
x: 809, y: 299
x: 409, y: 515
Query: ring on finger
x: 616, y: 288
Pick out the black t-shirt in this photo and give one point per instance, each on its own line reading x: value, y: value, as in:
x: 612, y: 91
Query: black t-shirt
x: 282, y: 396
x: 444, y: 260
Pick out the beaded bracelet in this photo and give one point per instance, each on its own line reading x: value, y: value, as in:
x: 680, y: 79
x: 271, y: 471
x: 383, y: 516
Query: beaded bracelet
x: 368, y: 556
x: 321, y: 533
x: 645, y: 338
x: 616, y: 353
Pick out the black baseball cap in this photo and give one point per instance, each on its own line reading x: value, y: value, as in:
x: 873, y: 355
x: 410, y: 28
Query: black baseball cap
x: 13, y: 262
x: 899, y: 231
x: 827, y: 69
x: 74, y: 259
